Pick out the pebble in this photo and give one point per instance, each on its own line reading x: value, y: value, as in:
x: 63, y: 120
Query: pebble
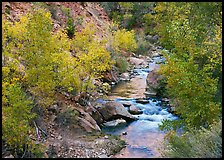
x: 59, y: 137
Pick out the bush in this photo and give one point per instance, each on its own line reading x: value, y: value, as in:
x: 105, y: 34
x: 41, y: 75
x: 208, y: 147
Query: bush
x: 68, y: 117
x: 53, y: 10
x: 203, y: 143
x: 121, y: 64
x: 70, y: 27
x: 16, y: 117
x: 124, y: 40
x: 143, y: 46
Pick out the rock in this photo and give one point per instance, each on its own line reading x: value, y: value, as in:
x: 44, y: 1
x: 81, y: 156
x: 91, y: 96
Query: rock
x: 159, y: 47
x: 126, y: 104
x: 10, y: 156
x: 87, y: 125
x: 95, y: 114
x: 152, y: 39
x: 166, y: 100
x: 137, y: 61
x: 86, y: 121
x: 171, y: 110
x: 125, y: 77
x: 103, y: 156
x: 152, y: 81
x: 154, y: 100
x: 114, y: 110
x: 155, y: 53
x: 114, y: 123
x: 142, y: 101
x: 111, y: 76
x: 150, y: 94
x: 148, y: 37
x: 54, y: 108
x: 155, y: 38
x: 134, y: 110
x: 124, y: 133
x: 106, y: 137
x: 59, y: 137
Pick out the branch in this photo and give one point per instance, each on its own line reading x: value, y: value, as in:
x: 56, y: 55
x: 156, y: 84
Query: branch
x: 37, y: 130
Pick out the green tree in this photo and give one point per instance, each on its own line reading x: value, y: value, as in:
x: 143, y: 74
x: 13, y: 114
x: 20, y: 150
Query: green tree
x: 192, y: 32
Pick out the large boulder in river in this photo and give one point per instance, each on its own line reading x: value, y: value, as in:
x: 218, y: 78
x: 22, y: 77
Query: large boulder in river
x: 114, y: 110
x: 152, y: 80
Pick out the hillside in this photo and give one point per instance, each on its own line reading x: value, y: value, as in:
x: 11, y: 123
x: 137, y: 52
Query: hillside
x: 58, y: 139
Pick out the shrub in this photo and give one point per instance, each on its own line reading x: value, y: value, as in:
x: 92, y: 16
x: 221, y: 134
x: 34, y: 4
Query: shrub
x: 122, y: 64
x: 68, y: 117
x: 53, y: 10
x: 203, y: 143
x: 70, y: 27
x: 16, y: 116
x: 143, y: 46
x: 124, y: 40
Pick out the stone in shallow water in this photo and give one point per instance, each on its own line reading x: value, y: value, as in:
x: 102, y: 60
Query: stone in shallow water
x: 126, y: 104
x: 134, y: 110
x: 114, y: 110
x: 114, y: 123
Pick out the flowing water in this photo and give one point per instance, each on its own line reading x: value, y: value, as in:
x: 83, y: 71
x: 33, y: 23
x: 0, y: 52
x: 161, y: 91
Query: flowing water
x: 143, y: 135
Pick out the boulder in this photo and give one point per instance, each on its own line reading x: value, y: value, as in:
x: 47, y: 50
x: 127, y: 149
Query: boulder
x: 137, y: 61
x: 152, y: 39
x: 152, y: 81
x: 134, y: 110
x: 87, y: 125
x: 114, y: 110
x: 95, y: 114
x: 114, y: 123
x: 86, y: 121
x: 54, y: 108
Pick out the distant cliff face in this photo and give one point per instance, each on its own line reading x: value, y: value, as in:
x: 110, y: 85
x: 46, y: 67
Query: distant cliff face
x: 82, y: 14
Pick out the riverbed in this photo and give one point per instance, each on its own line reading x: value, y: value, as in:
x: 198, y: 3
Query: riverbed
x: 143, y: 136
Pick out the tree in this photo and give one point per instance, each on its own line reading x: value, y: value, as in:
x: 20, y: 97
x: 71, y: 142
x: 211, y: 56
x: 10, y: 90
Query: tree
x: 192, y: 32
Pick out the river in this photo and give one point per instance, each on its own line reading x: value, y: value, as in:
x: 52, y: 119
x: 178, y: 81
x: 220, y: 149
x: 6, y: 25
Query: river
x: 143, y: 135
